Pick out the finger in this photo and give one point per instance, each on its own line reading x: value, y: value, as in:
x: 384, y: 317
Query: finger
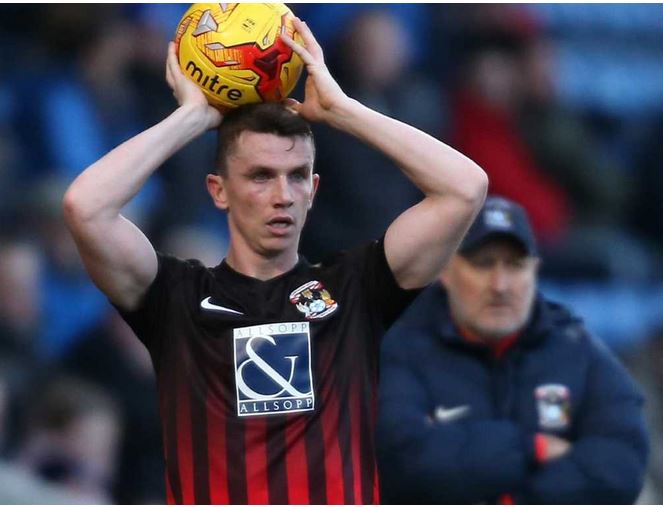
x: 301, y: 51
x: 169, y: 77
x: 292, y: 104
x: 309, y: 39
x: 173, y: 61
x: 172, y: 50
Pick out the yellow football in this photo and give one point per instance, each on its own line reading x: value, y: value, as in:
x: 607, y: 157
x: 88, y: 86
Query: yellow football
x: 235, y: 54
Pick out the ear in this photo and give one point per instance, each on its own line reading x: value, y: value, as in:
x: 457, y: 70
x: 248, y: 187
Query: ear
x: 536, y: 262
x: 316, y: 182
x: 216, y: 186
x: 445, y: 274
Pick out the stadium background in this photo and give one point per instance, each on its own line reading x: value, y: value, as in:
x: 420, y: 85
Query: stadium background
x: 561, y: 104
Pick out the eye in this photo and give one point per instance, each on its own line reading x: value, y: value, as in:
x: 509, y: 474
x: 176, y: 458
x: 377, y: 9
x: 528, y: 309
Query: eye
x: 298, y: 176
x: 482, y: 262
x: 260, y: 176
x: 518, y: 263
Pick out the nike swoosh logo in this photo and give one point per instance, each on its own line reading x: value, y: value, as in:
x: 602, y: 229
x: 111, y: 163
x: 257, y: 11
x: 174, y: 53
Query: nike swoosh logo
x: 445, y: 415
x: 206, y: 304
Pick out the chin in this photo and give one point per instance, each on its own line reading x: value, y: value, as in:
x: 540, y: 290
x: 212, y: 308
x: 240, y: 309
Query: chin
x: 276, y: 246
x: 497, y: 330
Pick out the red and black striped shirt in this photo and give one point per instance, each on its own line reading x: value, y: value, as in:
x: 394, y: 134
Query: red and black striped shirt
x: 268, y: 388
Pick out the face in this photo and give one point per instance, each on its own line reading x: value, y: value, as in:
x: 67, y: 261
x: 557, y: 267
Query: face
x: 380, y: 49
x: 491, y: 290
x: 497, y: 78
x: 267, y: 190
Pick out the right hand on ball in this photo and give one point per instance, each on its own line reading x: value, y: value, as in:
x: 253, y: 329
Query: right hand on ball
x: 187, y: 93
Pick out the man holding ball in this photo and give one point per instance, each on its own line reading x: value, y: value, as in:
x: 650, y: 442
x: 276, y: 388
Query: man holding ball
x: 267, y: 365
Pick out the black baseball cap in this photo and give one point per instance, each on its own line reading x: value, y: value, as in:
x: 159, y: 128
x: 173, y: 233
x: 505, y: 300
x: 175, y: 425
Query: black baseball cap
x: 500, y: 217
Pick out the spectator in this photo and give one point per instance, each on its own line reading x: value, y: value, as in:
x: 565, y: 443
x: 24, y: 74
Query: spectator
x: 111, y: 357
x: 597, y: 188
x: 20, y: 311
x: 19, y: 485
x: 71, y: 440
x: 492, y: 393
x: 69, y: 303
x: 540, y: 154
x: 562, y: 145
x: 371, y: 63
x: 485, y: 112
x: 90, y: 103
x: 649, y: 188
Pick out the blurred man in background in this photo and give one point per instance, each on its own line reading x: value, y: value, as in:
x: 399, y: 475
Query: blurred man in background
x: 491, y: 393
x: 68, y: 454
x: 111, y: 358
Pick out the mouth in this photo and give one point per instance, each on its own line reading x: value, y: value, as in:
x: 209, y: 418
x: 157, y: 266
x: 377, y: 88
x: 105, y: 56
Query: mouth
x: 499, y: 305
x: 280, y: 224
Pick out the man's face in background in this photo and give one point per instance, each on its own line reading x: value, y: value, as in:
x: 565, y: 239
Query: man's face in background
x: 491, y: 289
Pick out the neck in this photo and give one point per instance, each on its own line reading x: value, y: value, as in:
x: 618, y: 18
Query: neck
x: 473, y: 336
x: 499, y: 346
x: 258, y: 266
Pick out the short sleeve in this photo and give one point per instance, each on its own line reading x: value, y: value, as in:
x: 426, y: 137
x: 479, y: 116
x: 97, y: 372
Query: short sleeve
x: 387, y: 299
x: 152, y: 315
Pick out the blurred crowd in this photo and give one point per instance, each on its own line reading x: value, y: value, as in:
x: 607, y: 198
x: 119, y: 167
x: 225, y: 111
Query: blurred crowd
x: 562, y: 105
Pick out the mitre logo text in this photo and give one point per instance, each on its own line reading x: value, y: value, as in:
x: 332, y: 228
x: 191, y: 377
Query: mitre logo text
x: 273, y: 369
x: 205, y: 81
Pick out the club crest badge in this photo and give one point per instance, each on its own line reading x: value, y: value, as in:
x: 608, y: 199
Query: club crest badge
x: 313, y: 300
x: 553, y: 403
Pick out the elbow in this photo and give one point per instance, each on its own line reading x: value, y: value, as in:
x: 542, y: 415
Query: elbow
x: 70, y: 206
x: 480, y: 183
x: 473, y: 187
x: 74, y: 208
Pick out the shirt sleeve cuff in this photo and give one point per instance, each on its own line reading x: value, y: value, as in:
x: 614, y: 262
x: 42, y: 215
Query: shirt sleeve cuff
x: 540, y: 448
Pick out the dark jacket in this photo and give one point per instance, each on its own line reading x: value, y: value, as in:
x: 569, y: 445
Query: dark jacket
x: 457, y: 424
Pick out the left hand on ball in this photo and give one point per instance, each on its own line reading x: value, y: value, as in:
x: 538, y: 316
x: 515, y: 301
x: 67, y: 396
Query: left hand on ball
x: 322, y: 93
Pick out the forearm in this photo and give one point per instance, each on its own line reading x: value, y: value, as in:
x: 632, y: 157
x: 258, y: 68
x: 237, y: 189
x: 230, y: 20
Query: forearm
x: 460, y: 462
x: 434, y: 167
x: 107, y: 185
x: 597, y: 470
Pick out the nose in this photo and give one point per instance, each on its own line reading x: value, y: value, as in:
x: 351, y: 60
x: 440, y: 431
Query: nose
x: 499, y: 278
x: 282, y: 193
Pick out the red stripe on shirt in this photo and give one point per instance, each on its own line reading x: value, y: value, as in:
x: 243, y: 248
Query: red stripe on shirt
x: 506, y: 499
x: 375, y: 499
x: 333, y: 463
x: 296, y: 463
x: 218, y: 472
x: 355, y: 439
x: 184, y: 445
x: 255, y: 434
x: 170, y: 497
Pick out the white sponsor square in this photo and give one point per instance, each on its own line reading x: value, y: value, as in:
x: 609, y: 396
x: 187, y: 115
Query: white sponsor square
x: 273, y: 369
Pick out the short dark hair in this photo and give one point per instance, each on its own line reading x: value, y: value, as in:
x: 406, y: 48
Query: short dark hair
x: 264, y: 118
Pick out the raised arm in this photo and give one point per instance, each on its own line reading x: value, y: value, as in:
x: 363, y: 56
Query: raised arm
x: 420, y: 241
x: 117, y: 255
